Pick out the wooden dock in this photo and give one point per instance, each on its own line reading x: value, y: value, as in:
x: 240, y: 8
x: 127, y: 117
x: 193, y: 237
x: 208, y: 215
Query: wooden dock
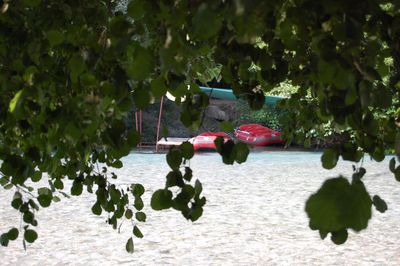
x: 171, y: 141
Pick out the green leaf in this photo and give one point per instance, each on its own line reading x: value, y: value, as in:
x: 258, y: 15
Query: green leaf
x: 31, y: 3
x: 16, y: 101
x: 129, y: 245
x: 187, y: 150
x: 359, y: 174
x: 30, y: 235
x: 12, y: 234
x: 115, y: 194
x: 33, y: 204
x: 241, y: 151
x: 141, y: 98
x: 397, y: 173
x: 174, y: 178
x: 195, y: 213
x: 392, y: 164
x: 158, y: 87
x: 137, y: 190
x: 365, y: 89
x: 256, y: 100
x: 206, y: 22
x: 323, y: 234
x: 379, y: 203
x: 96, y: 208
x: 137, y: 232
x: 4, y: 240
x: 174, y: 159
x: 136, y: 9
x: 138, y: 203
x: 142, y: 64
x: 188, y: 174
x: 17, y: 200
x: 44, y: 191
x: 37, y: 175
x: 382, y: 97
x: 58, y: 184
x: 76, y: 188
x: 329, y: 158
x: 55, y: 37
x: 226, y: 126
x: 339, y: 205
x: 351, y: 96
x: 140, y: 216
x: 44, y: 200
x: 198, y: 187
x: 161, y: 199
x: 226, y: 149
x: 133, y: 138
x: 76, y: 66
x: 128, y: 214
x: 117, y: 164
x: 339, y: 237
x: 4, y: 180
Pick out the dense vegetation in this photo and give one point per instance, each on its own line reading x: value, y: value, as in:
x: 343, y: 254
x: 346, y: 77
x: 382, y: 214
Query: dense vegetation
x: 70, y: 71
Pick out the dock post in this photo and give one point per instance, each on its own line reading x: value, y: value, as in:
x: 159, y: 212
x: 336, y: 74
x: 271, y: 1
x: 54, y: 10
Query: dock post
x: 159, y: 122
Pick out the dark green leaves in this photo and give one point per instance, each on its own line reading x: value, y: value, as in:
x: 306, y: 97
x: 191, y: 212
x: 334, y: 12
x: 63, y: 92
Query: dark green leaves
x: 329, y: 158
x: 226, y: 126
x: 392, y: 164
x: 45, y: 196
x: 12, y: 234
x: 174, y: 159
x: 161, y: 199
x: 158, y: 87
x: 339, y: 237
x: 31, y: 3
x: 379, y: 204
x: 96, y: 208
x: 77, y: 188
x: 137, y: 190
x: 128, y: 214
x: 30, y: 235
x: 232, y: 152
x: 140, y: 216
x: 338, y: 206
x: 206, y: 22
x: 129, y: 245
x: 55, y: 37
x: 137, y: 232
x: 395, y: 170
x: 187, y: 150
x: 4, y: 240
x: 241, y: 152
x: 16, y: 101
x: 17, y: 200
x: 136, y: 9
x: 76, y: 66
x: 142, y: 64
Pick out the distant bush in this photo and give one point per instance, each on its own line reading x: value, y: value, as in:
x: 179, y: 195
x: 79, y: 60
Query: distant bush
x: 269, y: 116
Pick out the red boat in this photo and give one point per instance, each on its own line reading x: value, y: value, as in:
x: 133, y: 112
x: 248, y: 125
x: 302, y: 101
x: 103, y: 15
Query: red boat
x: 206, y: 140
x: 257, y: 135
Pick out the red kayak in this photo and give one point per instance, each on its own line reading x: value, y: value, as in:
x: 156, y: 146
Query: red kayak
x: 257, y: 135
x: 206, y: 140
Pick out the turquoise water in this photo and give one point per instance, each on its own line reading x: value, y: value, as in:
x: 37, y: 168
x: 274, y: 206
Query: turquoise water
x: 254, y: 216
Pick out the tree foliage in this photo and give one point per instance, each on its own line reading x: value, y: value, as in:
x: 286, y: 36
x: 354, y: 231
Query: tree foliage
x: 71, y: 70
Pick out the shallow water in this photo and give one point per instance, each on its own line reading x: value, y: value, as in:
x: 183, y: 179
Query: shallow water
x: 254, y: 216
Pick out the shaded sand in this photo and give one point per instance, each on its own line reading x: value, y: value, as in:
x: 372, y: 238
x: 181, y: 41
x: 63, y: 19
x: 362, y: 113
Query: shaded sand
x: 254, y: 216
